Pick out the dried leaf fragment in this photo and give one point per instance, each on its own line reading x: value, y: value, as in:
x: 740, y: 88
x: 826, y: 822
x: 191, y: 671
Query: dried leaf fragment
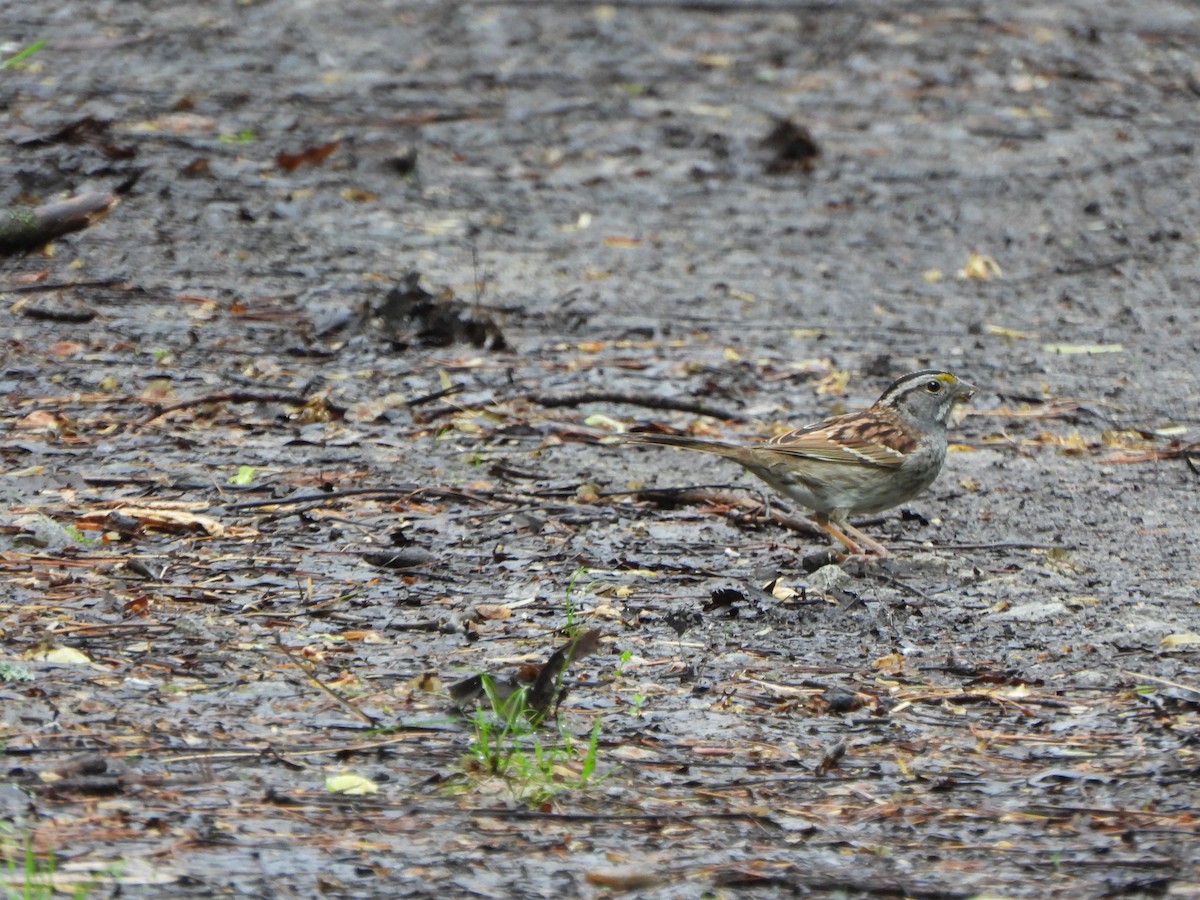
x: 351, y: 785
x: 790, y: 148
x: 174, y: 520
x: 624, y: 879
x: 312, y: 156
x: 1175, y: 640
x: 891, y: 662
x: 980, y: 267
x: 833, y: 383
x: 1083, y: 348
x: 1002, y: 331
x: 67, y: 656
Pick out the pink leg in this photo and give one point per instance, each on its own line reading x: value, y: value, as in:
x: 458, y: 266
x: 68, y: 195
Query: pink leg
x: 847, y: 534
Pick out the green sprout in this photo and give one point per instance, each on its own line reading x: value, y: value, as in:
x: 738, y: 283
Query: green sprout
x: 23, y: 54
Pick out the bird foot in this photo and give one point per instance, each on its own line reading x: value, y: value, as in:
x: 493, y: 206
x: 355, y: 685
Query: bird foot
x: 854, y: 540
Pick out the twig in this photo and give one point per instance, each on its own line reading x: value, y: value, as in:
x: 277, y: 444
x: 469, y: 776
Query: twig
x: 25, y: 227
x: 63, y: 285
x: 535, y: 816
x: 1065, y: 811
x: 800, y: 524
x: 805, y: 882
x: 66, y: 316
x: 702, y: 495
x: 904, y: 586
x: 1154, y: 679
x: 225, y: 753
x: 1013, y: 545
x: 334, y: 695
x: 226, y: 397
x: 406, y: 491
x: 456, y: 388
x: 323, y: 497
x: 649, y: 401
x: 1080, y: 266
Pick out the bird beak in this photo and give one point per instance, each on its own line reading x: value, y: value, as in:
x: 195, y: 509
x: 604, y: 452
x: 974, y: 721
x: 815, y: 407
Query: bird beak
x: 964, y: 390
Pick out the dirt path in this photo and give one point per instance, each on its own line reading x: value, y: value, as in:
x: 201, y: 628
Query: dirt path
x: 266, y: 497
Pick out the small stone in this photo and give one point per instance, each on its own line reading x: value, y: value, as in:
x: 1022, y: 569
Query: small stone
x: 827, y: 578
x: 1034, y: 612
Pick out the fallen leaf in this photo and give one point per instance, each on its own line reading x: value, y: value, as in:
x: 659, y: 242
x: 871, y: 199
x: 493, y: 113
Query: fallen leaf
x: 1083, y: 348
x: 624, y: 879
x: 782, y: 592
x: 243, y: 476
x: 163, y: 519
x: 39, y: 420
x: 891, y: 661
x: 289, y: 162
x: 350, y: 785
x: 980, y: 267
x: 181, y: 123
x: 1001, y: 331
x: 584, y: 221
x: 64, y: 655
x: 368, y: 636
x: 599, y: 420
x: 1171, y: 430
x: 1174, y: 640
x: 65, y: 348
x: 833, y: 383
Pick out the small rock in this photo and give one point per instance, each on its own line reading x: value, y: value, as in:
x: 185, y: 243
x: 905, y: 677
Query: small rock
x: 827, y: 578
x: 1034, y: 612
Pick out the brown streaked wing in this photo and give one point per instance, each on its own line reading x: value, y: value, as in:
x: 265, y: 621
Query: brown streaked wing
x: 882, y: 441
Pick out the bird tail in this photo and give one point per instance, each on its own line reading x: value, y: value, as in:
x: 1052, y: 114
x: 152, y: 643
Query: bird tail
x: 720, y: 448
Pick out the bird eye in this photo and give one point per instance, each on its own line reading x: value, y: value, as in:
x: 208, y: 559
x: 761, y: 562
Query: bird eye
x: 933, y: 387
